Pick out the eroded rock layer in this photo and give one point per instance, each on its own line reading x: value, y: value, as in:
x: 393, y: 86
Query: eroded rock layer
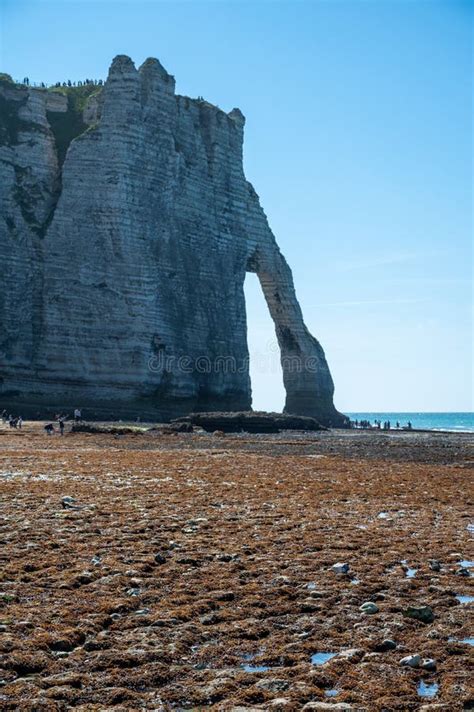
x: 127, y: 229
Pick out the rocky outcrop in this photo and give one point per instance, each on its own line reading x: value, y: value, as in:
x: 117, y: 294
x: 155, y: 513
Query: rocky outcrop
x: 250, y: 422
x: 127, y: 229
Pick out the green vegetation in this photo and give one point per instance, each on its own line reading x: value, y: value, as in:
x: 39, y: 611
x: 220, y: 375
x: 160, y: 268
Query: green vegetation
x: 67, y: 126
x: 6, y: 79
x: 77, y: 96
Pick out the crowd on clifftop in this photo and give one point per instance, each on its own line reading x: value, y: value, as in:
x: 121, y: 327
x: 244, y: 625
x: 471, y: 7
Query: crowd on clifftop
x: 81, y: 83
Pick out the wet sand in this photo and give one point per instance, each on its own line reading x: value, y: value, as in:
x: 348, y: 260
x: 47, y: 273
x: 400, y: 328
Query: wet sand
x: 194, y: 571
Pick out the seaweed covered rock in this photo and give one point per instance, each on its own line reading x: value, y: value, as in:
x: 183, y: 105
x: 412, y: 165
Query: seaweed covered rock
x: 250, y: 422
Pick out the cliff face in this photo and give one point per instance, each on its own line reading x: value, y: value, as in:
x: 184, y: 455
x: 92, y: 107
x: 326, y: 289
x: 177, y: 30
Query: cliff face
x: 127, y: 229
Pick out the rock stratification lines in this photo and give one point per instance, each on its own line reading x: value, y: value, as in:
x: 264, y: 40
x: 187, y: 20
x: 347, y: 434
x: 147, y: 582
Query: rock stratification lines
x: 127, y: 227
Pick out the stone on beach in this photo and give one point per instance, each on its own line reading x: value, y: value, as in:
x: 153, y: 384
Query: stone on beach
x: 411, y: 661
x: 369, y: 608
x: 341, y: 568
x: 420, y: 613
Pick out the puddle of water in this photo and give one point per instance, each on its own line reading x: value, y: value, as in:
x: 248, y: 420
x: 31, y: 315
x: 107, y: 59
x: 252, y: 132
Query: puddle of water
x: 355, y: 581
x: 470, y: 528
x: 410, y: 573
x: 465, y: 599
x: 382, y: 515
x: 255, y: 668
x: 321, y: 658
x: 311, y: 586
x: 427, y: 689
x: 466, y: 564
x: 466, y: 641
x: 331, y: 693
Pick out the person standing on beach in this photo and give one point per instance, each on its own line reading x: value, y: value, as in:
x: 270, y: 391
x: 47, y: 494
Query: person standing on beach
x: 61, y: 425
x: 77, y: 415
x: 20, y: 422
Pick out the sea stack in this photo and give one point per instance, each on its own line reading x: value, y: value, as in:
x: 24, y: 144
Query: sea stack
x: 127, y: 227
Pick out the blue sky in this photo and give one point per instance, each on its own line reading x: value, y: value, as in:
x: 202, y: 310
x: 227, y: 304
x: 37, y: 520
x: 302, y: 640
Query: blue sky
x: 359, y: 143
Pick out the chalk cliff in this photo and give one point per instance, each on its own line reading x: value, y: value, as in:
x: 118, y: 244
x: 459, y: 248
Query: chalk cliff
x: 127, y: 227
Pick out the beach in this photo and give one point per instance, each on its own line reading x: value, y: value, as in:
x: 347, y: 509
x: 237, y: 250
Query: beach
x: 189, y: 571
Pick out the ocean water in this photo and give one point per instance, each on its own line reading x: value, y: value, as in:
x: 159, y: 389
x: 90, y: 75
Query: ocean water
x: 456, y: 422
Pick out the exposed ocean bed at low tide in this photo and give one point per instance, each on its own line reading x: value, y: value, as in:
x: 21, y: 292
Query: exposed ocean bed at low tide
x: 175, y: 569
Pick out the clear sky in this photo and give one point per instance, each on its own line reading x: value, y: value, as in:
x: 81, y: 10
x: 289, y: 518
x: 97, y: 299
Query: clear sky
x: 359, y: 143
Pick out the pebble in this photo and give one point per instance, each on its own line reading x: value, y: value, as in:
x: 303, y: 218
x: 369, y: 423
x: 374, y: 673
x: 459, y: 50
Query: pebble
x: 369, y: 608
x: 428, y: 664
x: 435, y: 565
x: 279, y: 702
x: 386, y: 645
x: 341, y: 568
x: 463, y: 571
x: 69, y: 503
x: 188, y: 561
x: 352, y: 654
x: 160, y: 559
x: 419, y: 613
x: 273, y: 684
x: 331, y: 707
x: 210, y: 619
x: 411, y: 661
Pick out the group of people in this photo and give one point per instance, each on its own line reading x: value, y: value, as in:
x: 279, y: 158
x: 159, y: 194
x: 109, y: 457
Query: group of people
x: 61, y: 419
x: 378, y: 425
x: 14, y: 421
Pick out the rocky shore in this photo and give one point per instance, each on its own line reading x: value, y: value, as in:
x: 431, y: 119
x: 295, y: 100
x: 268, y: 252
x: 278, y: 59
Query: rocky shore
x: 189, y: 571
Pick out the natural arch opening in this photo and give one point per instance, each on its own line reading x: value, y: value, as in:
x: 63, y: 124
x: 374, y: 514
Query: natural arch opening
x: 266, y: 376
